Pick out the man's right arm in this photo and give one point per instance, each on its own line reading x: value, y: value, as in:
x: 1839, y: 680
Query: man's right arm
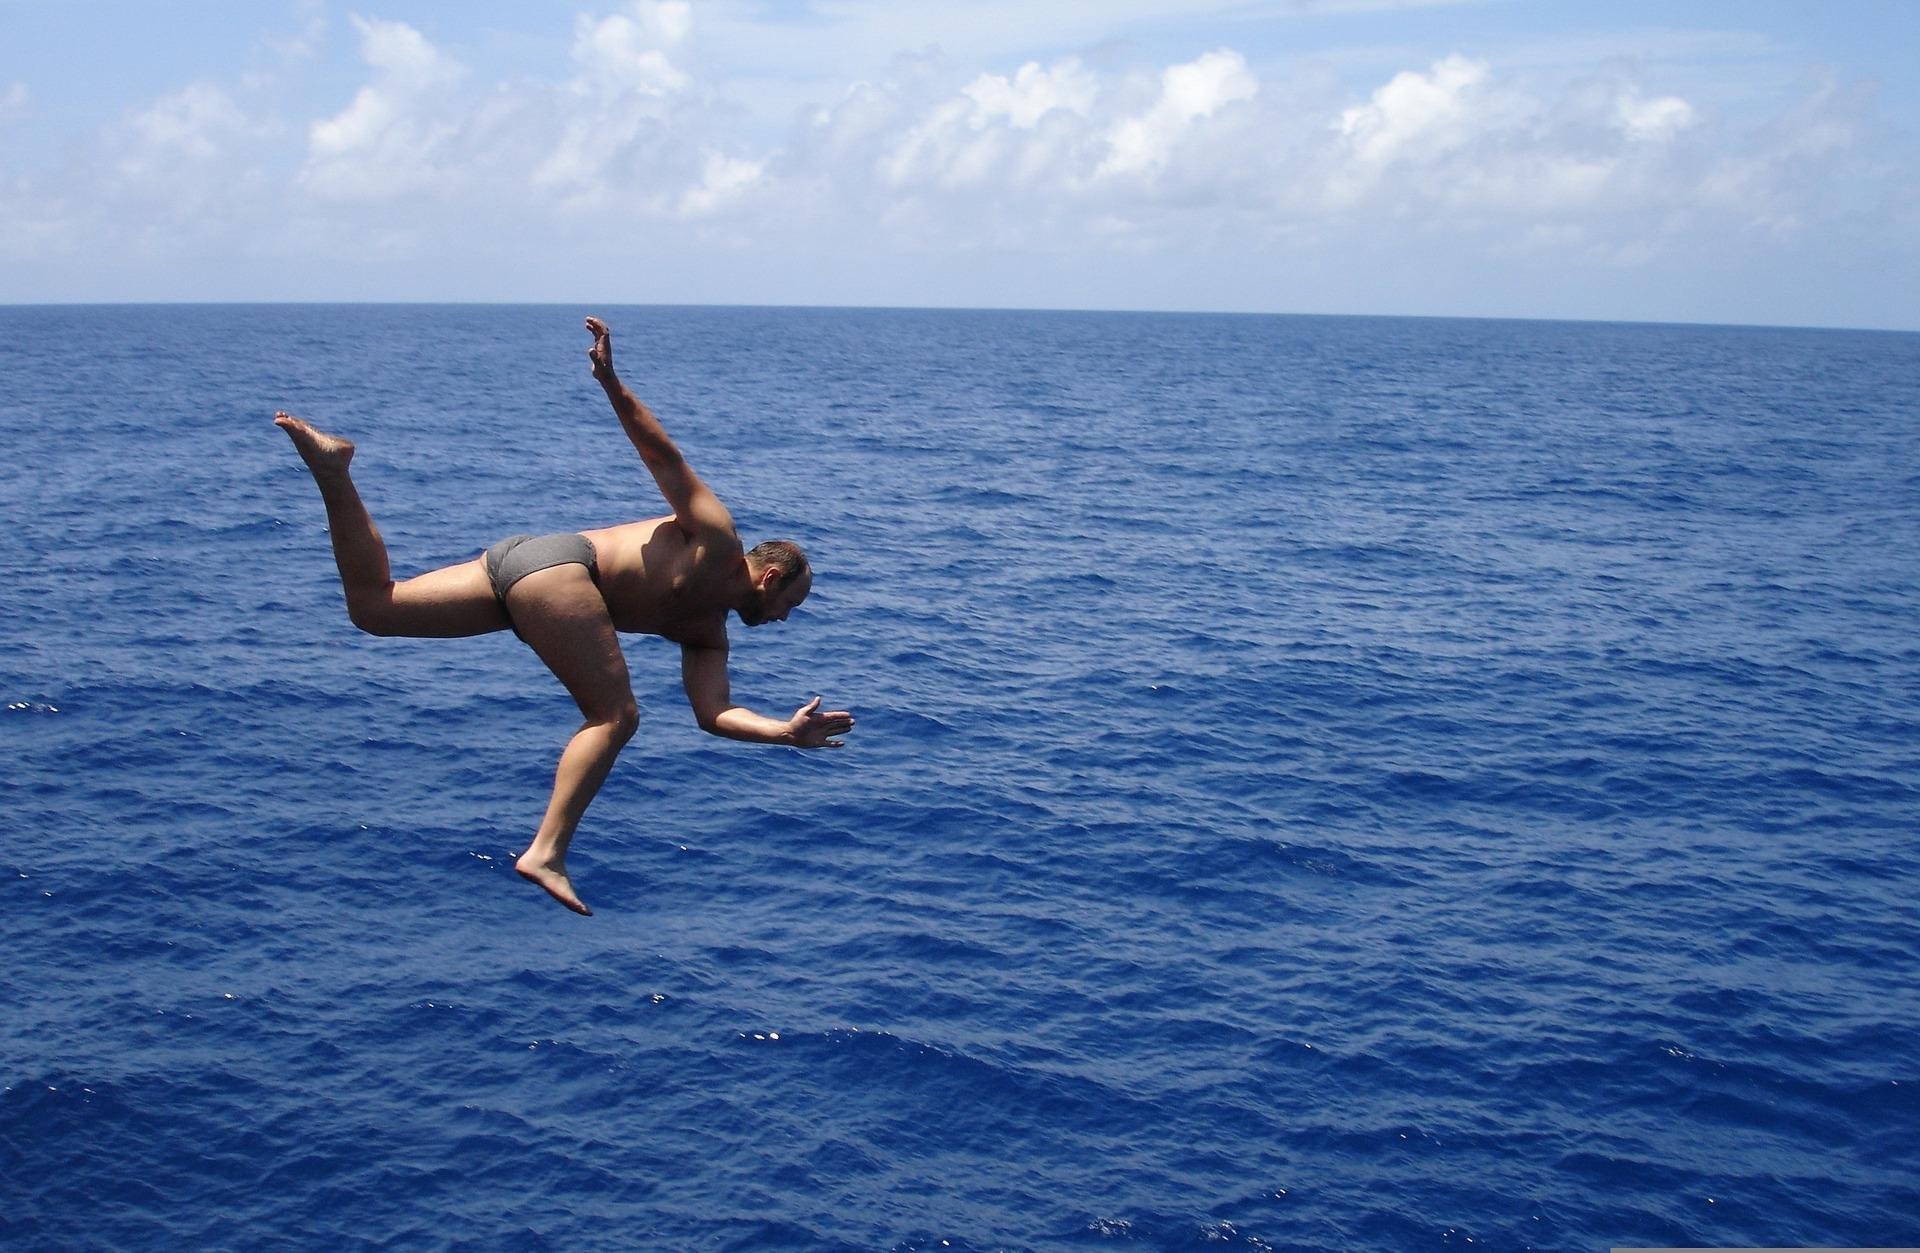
x: 694, y: 505
x: 703, y: 670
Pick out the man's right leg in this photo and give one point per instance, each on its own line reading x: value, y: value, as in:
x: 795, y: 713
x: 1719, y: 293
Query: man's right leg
x: 564, y: 619
x: 454, y: 601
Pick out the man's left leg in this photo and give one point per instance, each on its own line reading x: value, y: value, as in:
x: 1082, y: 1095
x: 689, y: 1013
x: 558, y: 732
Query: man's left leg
x: 455, y: 601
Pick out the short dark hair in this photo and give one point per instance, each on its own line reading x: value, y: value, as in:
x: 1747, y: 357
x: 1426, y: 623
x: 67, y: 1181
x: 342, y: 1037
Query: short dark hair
x: 783, y: 555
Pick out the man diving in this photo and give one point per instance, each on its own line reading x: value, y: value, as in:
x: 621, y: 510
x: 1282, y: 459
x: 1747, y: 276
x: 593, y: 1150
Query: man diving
x: 566, y: 595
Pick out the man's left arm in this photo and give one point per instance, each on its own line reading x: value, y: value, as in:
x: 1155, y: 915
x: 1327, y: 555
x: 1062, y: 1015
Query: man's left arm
x: 704, y: 673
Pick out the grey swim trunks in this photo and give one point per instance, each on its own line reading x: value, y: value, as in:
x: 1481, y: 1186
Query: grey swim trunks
x: 517, y: 556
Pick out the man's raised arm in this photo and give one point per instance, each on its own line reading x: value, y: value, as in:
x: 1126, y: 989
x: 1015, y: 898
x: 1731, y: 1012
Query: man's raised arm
x: 704, y: 672
x: 694, y: 504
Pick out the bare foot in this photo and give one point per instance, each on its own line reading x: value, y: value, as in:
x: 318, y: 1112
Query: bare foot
x: 554, y: 879
x: 323, y: 453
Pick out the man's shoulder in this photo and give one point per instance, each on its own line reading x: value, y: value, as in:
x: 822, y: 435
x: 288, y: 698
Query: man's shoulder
x: 716, y: 550
x: 702, y: 636
x: 707, y: 529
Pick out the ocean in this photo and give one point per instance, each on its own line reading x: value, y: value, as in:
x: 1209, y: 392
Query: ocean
x: 1320, y: 783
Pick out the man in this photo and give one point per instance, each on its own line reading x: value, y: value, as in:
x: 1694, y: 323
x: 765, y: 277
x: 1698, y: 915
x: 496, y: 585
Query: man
x: 676, y: 576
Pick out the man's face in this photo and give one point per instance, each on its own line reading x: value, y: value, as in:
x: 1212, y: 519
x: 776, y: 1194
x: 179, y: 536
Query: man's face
x: 777, y: 602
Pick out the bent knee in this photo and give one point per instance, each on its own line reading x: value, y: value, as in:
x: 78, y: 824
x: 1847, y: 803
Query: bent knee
x: 622, y: 722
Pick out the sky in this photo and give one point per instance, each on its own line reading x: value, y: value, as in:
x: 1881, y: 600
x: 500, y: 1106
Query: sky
x: 1680, y: 162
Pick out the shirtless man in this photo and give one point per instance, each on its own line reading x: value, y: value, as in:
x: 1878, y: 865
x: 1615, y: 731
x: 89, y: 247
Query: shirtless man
x: 676, y: 576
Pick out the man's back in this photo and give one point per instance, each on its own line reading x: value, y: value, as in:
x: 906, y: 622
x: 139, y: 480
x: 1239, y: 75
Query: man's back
x: 657, y: 580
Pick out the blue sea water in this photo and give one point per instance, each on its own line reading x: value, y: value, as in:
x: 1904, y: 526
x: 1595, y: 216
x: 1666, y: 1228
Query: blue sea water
x: 1320, y: 783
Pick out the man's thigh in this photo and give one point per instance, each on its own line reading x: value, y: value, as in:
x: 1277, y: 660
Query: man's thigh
x: 450, y: 602
x: 564, y: 619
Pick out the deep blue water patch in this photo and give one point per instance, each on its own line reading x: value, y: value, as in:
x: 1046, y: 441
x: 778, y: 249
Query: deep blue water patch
x: 1320, y: 783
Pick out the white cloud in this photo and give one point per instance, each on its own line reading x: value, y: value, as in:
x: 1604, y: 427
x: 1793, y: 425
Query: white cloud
x: 631, y: 124
x: 627, y: 51
x: 408, y: 62
x: 653, y: 140
x: 996, y: 132
x: 1032, y: 93
x: 723, y: 180
x: 1189, y: 92
x: 1427, y: 110
x: 628, y: 131
x: 1066, y: 157
x: 1657, y: 119
x: 387, y: 142
x: 945, y: 148
x: 1050, y: 156
x: 195, y: 126
x: 1459, y: 141
x: 190, y: 123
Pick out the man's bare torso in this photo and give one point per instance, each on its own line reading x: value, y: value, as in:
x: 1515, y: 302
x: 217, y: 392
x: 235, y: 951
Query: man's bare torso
x: 657, y: 581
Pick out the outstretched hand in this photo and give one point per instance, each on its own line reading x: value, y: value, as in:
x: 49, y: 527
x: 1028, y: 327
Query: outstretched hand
x: 601, y: 354
x: 809, y: 728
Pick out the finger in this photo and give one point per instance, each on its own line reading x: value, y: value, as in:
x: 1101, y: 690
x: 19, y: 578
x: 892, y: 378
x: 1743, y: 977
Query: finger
x: 836, y: 743
x: 810, y: 706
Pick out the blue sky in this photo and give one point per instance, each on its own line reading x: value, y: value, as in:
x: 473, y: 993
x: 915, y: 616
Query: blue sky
x: 1669, y: 162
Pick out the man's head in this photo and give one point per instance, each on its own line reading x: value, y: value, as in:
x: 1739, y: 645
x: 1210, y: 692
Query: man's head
x: 781, y: 579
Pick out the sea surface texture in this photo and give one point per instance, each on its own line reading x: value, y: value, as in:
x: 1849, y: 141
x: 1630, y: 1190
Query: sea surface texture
x: 1320, y: 784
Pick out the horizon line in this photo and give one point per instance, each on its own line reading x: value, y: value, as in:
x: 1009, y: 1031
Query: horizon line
x: 884, y: 308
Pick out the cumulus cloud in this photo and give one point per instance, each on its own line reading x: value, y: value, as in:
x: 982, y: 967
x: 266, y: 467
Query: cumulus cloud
x: 637, y: 133
x: 628, y: 131
x: 1188, y: 93
x: 1031, y: 93
x: 1429, y: 110
x: 627, y: 51
x: 723, y: 180
x: 965, y: 139
x: 1064, y: 157
x: 642, y: 129
x: 1654, y: 120
x: 191, y: 124
x: 1002, y: 157
x: 386, y: 142
x: 190, y: 154
x: 951, y: 147
x: 921, y: 130
x: 1458, y: 141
